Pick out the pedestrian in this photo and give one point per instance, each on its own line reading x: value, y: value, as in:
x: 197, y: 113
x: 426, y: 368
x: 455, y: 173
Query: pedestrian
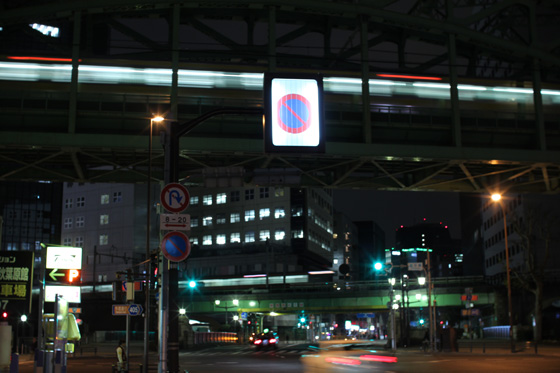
x: 121, y: 357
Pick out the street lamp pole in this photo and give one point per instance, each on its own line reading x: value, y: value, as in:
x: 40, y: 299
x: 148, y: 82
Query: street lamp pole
x: 235, y: 304
x: 497, y: 198
x: 156, y: 119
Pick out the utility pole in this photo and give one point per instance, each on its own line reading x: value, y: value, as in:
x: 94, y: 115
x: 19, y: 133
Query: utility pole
x: 168, y: 321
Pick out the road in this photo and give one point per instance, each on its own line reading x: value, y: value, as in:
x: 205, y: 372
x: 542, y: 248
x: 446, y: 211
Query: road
x: 333, y: 358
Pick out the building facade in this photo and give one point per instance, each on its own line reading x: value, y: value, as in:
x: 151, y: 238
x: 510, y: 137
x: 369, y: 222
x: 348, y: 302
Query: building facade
x: 238, y: 231
x: 412, y: 245
x: 109, y: 222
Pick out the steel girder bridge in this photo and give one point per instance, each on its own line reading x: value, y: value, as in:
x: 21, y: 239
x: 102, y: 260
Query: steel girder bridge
x: 420, y: 95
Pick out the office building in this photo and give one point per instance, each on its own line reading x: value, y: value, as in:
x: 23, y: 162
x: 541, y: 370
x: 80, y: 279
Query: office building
x: 251, y: 231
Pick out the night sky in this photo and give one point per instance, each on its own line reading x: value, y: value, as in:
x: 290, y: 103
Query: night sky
x: 390, y: 210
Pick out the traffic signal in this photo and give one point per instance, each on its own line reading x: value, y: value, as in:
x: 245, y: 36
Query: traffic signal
x: 155, y: 278
x: 4, y: 315
x: 378, y: 266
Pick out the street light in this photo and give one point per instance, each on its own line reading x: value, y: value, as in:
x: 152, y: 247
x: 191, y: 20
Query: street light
x: 156, y: 119
x: 496, y: 197
x: 235, y: 303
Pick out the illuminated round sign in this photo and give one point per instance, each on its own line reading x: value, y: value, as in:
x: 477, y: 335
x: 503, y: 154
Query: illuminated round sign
x: 294, y: 113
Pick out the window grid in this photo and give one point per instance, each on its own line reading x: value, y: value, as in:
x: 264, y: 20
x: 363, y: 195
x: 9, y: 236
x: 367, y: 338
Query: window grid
x: 221, y: 198
x: 250, y: 215
x: 104, y: 199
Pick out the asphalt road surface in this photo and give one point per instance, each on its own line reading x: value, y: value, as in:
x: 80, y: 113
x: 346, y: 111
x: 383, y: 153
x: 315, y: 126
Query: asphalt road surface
x: 334, y: 357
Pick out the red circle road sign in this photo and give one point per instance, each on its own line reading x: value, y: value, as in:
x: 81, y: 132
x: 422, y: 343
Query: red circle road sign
x: 175, y: 246
x: 294, y: 113
x: 174, y: 197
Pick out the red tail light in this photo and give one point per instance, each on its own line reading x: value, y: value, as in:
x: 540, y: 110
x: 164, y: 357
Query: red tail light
x: 258, y: 341
x: 272, y: 340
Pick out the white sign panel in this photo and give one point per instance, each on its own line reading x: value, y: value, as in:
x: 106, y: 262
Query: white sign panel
x: 64, y: 257
x: 174, y: 222
x: 415, y: 266
x: 71, y: 294
x: 295, y: 112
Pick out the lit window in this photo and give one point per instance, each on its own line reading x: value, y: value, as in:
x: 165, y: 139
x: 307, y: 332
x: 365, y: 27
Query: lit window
x: 207, y: 221
x: 80, y: 201
x: 207, y: 200
x: 194, y: 221
x: 103, y: 239
x: 235, y: 237
x: 207, y: 239
x: 250, y: 237
x: 221, y: 198
x: 67, y: 223
x: 297, y: 233
x: 104, y: 199
x: 221, y: 239
x: 279, y: 212
x: 117, y: 197
x: 221, y: 219
x: 297, y: 211
x: 264, y: 235
x: 194, y: 240
x: 278, y: 192
x: 249, y: 215
x: 46, y: 30
x: 335, y: 261
x: 279, y: 234
x: 68, y: 203
x: 193, y: 201
x: 103, y: 219
x: 234, y: 217
x: 264, y: 213
x: 80, y: 221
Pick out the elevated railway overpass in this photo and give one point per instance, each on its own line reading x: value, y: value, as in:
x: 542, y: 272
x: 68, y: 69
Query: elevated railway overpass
x: 78, y: 107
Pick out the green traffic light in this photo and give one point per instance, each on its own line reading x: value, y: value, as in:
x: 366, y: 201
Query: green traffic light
x: 378, y: 266
x: 421, y: 321
x: 302, y: 320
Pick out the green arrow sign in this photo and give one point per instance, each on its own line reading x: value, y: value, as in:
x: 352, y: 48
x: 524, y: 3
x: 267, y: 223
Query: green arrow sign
x: 54, y: 275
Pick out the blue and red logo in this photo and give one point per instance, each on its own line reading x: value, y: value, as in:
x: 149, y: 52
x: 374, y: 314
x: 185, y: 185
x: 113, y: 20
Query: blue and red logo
x: 294, y: 113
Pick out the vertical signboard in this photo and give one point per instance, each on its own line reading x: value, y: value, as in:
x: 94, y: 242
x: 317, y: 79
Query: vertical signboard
x: 293, y: 113
x: 16, y: 277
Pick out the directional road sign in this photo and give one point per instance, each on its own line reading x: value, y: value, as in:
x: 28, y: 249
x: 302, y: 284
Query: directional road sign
x: 135, y: 310
x: 174, y: 197
x: 127, y: 309
x: 175, y: 222
x: 175, y: 246
x: 63, y: 275
x: 415, y: 266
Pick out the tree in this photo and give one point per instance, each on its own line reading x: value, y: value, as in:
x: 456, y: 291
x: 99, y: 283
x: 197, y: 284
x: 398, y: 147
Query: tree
x: 534, y: 230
